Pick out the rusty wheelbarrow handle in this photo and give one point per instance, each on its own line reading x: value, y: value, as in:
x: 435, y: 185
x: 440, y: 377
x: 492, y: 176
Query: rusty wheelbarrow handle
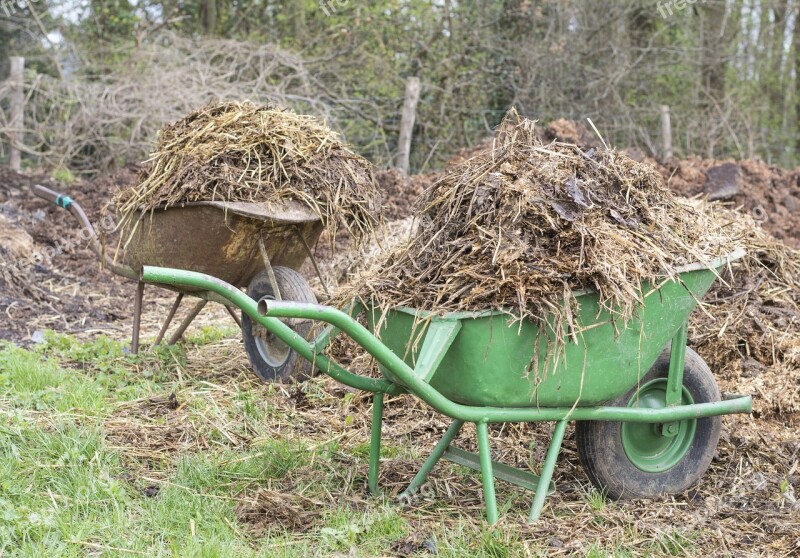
x: 65, y: 202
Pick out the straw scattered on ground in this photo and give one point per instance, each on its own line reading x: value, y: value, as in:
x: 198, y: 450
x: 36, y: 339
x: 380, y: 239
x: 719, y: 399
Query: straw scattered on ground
x: 231, y: 151
x: 522, y: 226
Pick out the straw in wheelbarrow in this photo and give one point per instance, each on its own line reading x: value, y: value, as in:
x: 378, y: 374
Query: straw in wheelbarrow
x: 231, y: 151
x: 521, y: 227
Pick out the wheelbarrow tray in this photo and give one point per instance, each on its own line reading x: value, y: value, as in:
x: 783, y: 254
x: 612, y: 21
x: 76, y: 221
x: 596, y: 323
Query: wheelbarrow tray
x: 490, y: 359
x: 221, y: 238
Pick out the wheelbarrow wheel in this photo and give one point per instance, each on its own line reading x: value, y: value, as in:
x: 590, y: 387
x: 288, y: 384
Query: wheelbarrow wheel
x: 643, y: 460
x: 272, y: 359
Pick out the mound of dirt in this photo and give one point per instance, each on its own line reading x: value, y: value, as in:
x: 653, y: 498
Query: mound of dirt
x: 771, y: 195
x: 570, y: 131
x: 398, y: 192
x: 749, y: 331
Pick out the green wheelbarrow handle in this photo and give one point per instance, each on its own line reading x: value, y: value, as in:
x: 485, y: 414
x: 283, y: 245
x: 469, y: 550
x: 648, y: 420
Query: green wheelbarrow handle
x: 269, y: 313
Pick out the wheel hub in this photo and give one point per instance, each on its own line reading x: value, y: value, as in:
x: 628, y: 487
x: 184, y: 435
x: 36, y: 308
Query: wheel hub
x: 657, y: 447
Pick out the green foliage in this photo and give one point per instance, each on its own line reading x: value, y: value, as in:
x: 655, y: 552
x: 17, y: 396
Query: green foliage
x: 111, y: 20
x: 475, y: 60
x: 63, y: 175
x: 346, y: 530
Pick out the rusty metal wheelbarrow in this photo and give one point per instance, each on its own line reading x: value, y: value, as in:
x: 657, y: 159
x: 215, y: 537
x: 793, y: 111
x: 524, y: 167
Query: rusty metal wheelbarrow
x: 248, y: 245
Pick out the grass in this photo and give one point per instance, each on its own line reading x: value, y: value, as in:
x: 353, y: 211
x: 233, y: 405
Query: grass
x: 179, y: 452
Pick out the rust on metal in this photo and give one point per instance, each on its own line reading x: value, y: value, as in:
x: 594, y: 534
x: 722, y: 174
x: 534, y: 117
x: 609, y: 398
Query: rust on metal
x: 221, y: 239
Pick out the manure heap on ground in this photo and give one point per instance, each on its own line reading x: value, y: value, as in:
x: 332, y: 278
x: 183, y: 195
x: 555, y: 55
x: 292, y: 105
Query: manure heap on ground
x: 232, y: 151
x: 749, y: 332
x: 522, y: 226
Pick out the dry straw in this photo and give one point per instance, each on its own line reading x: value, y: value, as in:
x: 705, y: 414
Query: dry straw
x: 750, y: 331
x: 232, y: 151
x: 520, y: 227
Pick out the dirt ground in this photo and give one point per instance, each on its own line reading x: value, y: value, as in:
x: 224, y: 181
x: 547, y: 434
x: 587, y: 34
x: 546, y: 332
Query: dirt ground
x: 748, y: 504
x: 771, y: 195
x: 48, y: 288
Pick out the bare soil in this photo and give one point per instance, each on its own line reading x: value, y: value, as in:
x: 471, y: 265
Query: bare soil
x: 57, y: 283
x: 770, y: 194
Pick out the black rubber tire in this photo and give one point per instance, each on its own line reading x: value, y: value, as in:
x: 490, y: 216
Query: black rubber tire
x: 266, y: 353
x: 603, y: 456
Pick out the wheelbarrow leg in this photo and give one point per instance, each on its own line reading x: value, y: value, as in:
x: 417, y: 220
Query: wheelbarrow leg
x: 435, y: 456
x: 375, y: 441
x: 137, y: 317
x: 233, y: 314
x: 487, y: 474
x: 187, y: 321
x: 168, y: 321
x: 547, y: 470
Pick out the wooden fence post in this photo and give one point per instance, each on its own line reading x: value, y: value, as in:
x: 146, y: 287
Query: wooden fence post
x: 17, y: 107
x: 666, y: 131
x: 407, y: 123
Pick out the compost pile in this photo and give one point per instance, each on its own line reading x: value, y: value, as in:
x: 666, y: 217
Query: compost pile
x: 522, y: 226
x: 230, y: 151
x: 749, y: 331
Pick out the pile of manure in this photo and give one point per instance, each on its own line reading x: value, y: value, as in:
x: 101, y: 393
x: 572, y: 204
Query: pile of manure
x: 232, y: 151
x: 749, y: 333
x: 520, y: 227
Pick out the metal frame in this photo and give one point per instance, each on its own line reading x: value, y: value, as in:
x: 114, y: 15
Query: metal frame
x: 415, y: 381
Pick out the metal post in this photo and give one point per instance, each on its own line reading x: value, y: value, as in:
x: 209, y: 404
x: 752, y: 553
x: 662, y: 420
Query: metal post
x: 171, y: 315
x: 433, y: 458
x: 276, y: 292
x: 17, y: 109
x: 487, y: 475
x: 674, y: 395
x: 547, y: 470
x: 677, y: 357
x: 310, y: 254
x: 137, y: 317
x: 375, y: 441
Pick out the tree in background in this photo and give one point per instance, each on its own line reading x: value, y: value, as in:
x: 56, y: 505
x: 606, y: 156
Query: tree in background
x: 797, y: 78
x: 727, y: 68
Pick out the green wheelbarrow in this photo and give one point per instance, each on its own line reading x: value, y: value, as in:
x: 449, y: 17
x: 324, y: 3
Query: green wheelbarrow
x: 647, y: 408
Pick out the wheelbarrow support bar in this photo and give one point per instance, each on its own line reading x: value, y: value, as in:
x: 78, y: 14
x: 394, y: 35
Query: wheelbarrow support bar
x: 267, y: 314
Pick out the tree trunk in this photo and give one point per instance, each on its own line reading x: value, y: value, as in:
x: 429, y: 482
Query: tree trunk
x: 208, y: 16
x: 714, y: 53
x: 797, y: 74
x: 407, y: 123
x: 17, y: 108
x: 776, y: 80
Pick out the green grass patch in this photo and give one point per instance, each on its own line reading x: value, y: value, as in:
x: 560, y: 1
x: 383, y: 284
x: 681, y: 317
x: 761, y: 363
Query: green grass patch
x: 71, y: 484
